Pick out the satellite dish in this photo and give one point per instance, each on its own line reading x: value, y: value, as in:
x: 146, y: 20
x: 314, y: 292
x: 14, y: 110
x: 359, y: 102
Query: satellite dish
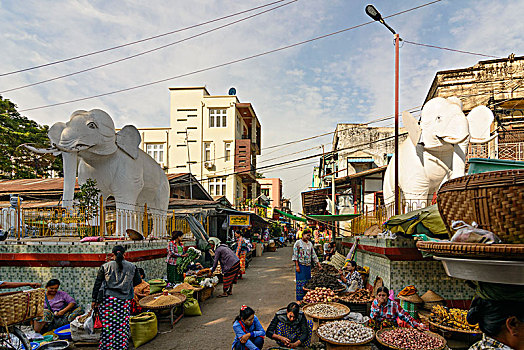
x: 232, y: 92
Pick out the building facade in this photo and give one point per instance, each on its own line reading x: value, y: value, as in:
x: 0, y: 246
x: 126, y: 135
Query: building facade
x: 215, y: 138
x: 272, y: 189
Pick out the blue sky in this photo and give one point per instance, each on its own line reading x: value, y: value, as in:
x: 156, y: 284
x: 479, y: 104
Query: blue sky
x: 299, y: 92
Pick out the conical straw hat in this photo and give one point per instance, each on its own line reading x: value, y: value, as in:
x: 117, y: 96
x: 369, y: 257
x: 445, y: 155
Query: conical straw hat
x: 431, y: 296
x: 413, y: 298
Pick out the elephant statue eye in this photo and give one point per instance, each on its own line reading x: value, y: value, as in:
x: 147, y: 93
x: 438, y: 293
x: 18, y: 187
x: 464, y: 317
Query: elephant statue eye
x: 91, y: 125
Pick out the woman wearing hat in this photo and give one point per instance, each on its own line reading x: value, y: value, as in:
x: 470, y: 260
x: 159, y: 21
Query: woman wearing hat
x: 229, y: 262
x: 385, y: 312
x: 112, y: 295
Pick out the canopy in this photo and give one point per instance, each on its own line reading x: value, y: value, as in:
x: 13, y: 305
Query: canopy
x: 291, y: 216
x: 330, y: 218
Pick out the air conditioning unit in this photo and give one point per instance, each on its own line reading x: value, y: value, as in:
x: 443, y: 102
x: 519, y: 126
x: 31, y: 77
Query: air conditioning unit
x: 208, y: 165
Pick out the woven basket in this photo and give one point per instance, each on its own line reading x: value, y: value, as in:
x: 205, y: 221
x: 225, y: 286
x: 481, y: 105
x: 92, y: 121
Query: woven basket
x: 378, y: 336
x: 494, y: 200
x: 206, y: 293
x: 18, y: 307
x: 473, y: 250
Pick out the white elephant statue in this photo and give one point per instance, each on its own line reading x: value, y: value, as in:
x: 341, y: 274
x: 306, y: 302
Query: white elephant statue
x: 435, y: 150
x: 121, y: 169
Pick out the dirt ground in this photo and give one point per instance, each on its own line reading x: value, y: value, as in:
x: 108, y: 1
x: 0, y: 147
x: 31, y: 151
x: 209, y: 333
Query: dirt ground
x: 267, y: 286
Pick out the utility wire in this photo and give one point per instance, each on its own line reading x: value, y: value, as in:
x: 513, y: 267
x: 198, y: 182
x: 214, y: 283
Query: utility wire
x: 226, y: 63
x: 138, y: 41
x: 147, y: 51
x: 448, y: 49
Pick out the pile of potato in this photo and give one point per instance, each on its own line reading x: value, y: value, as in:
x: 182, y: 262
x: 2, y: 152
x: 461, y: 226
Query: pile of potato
x: 320, y: 294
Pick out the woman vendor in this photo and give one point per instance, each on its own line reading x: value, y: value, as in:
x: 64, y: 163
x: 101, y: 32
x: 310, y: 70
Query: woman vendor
x: 59, y: 308
x: 241, y: 249
x: 290, y: 328
x: 249, y: 333
x: 353, y: 279
x: 303, y: 256
x: 501, y: 322
x: 142, y: 290
x: 175, y: 252
x: 385, y: 312
x: 228, y: 261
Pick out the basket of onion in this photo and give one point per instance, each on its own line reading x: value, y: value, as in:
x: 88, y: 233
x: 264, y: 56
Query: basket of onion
x: 320, y: 295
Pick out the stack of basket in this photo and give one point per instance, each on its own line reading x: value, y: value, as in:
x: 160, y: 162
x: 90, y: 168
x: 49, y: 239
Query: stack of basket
x: 410, y: 300
x: 430, y: 299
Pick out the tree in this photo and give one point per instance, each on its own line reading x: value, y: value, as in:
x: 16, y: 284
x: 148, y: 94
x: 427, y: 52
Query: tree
x: 18, y: 162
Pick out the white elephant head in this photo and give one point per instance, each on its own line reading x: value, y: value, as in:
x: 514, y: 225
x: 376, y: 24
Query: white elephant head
x: 444, y: 128
x: 88, y: 134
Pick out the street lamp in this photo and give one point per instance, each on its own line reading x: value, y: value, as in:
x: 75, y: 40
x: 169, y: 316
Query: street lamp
x: 372, y: 12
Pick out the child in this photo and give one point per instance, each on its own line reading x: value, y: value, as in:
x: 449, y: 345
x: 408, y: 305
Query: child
x: 248, y: 330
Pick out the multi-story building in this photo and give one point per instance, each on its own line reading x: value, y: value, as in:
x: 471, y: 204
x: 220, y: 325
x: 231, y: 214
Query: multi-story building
x: 216, y: 138
x: 272, y: 189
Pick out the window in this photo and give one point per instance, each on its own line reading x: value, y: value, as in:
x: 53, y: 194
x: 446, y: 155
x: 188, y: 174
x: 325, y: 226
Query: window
x: 207, y: 151
x: 265, y: 192
x: 217, y: 186
x: 156, y: 151
x: 217, y: 118
x: 227, y: 151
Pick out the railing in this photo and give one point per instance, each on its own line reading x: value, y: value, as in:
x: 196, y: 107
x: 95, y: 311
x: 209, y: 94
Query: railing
x: 380, y: 214
x: 82, y: 222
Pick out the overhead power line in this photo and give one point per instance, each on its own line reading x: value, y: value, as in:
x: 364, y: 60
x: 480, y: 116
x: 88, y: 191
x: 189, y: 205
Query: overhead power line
x: 147, y: 51
x: 226, y: 63
x: 138, y: 41
x: 448, y: 49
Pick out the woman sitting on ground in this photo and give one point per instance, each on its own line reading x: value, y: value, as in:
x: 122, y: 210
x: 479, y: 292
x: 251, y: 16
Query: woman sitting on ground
x: 290, y: 328
x: 141, y: 291
x: 59, y: 308
x: 385, y: 312
x: 229, y: 262
x: 352, y: 280
x: 501, y: 322
x: 248, y: 330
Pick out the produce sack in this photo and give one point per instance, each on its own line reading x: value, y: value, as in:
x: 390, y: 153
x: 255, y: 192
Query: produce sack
x: 156, y: 286
x: 191, y: 307
x: 80, y: 333
x: 144, y: 328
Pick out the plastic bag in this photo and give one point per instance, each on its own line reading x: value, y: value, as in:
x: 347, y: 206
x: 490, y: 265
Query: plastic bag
x: 144, y: 328
x: 472, y: 234
x: 191, y: 307
x: 97, y: 322
x: 81, y: 331
x: 156, y: 286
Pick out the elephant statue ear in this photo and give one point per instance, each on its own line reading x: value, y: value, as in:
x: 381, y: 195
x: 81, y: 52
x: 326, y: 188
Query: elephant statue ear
x: 55, y: 132
x: 411, y: 124
x: 479, y: 122
x: 128, y: 139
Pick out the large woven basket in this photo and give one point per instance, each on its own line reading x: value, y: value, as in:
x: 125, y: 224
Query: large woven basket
x: 494, y: 200
x: 18, y: 307
x: 473, y: 250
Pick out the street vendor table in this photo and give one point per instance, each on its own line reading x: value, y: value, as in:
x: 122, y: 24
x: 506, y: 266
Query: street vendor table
x: 158, y: 310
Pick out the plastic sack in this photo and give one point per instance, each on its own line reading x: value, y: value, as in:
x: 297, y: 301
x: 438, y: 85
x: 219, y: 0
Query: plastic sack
x: 156, y: 286
x: 80, y: 331
x: 191, y: 307
x: 144, y: 328
x: 472, y: 234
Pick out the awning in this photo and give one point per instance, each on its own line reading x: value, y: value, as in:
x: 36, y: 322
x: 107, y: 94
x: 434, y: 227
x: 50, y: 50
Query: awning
x: 360, y: 160
x: 291, y: 216
x: 330, y: 218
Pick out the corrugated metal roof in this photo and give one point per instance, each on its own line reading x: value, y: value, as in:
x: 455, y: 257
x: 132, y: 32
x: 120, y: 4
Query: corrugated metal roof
x: 33, y: 185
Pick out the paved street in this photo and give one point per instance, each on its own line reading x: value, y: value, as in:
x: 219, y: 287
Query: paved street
x: 267, y: 285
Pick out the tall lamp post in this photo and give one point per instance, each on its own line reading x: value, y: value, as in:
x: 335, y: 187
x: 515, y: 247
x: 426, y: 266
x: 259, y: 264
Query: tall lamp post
x: 372, y: 12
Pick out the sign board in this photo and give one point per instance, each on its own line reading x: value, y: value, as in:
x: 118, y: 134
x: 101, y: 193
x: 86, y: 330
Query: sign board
x: 238, y: 220
x: 269, y: 213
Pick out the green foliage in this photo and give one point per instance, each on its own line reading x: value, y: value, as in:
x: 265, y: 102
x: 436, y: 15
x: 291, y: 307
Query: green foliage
x: 259, y: 175
x: 275, y: 230
x: 17, y: 162
x: 88, y: 198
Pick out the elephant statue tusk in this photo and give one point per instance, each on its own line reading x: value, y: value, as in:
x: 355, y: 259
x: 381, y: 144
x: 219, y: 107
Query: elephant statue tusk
x: 52, y: 150
x: 479, y: 141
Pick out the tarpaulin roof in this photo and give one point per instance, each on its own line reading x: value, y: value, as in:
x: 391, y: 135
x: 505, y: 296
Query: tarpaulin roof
x: 291, y: 216
x: 329, y: 218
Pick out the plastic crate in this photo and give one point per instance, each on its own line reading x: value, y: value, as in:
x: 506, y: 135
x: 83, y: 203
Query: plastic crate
x: 482, y: 165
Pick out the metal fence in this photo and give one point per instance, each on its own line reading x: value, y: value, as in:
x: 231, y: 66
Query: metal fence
x: 92, y: 221
x: 380, y: 214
